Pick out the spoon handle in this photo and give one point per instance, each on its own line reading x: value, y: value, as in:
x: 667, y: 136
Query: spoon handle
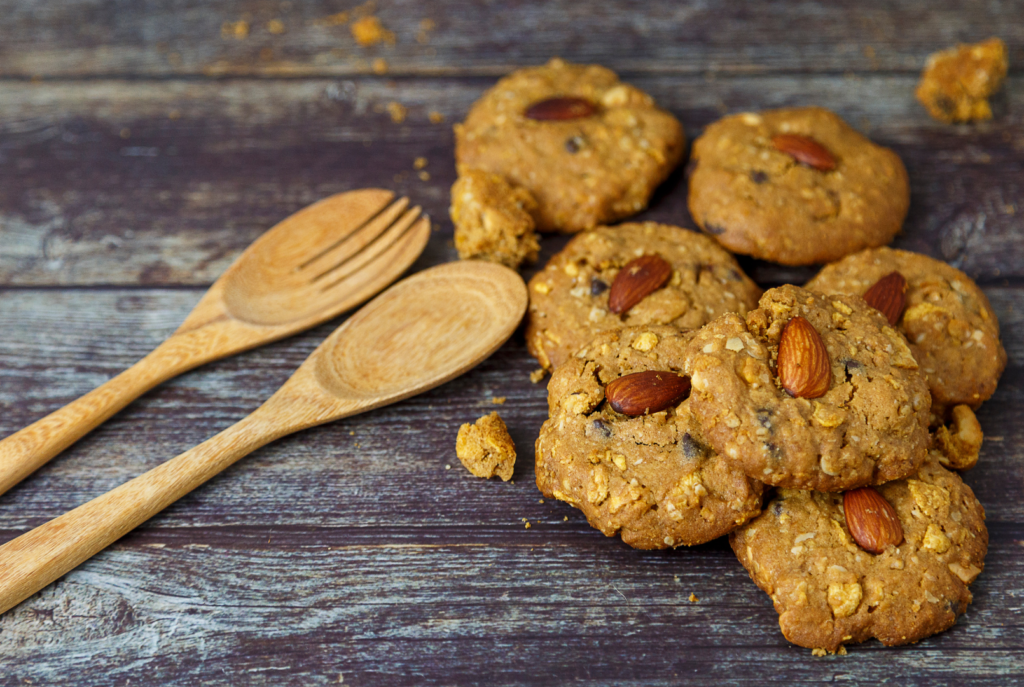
x: 28, y: 449
x: 40, y: 556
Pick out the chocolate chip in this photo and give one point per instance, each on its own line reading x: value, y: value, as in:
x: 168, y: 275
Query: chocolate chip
x: 773, y: 451
x: 601, y: 428
x: 758, y: 177
x: 713, y: 229
x: 764, y: 418
x: 575, y: 143
x: 777, y: 508
x: 597, y: 287
x: 691, y: 449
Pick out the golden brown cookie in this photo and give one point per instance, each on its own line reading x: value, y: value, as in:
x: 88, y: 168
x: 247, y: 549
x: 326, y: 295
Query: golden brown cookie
x: 868, y: 427
x: 952, y: 330
x: 595, y: 159
x: 569, y: 298
x: 762, y: 184
x: 829, y: 591
x: 485, y: 447
x: 956, y: 83
x: 649, y: 477
x: 492, y: 220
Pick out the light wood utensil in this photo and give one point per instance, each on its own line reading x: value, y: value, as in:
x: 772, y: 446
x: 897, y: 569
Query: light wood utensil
x: 420, y: 333
x: 310, y: 267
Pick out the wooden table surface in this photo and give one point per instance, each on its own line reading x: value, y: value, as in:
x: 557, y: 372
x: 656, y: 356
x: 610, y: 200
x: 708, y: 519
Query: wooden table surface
x: 144, y: 145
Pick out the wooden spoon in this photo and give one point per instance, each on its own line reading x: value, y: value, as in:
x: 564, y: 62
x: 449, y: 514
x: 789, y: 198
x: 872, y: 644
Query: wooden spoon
x: 310, y: 267
x: 418, y: 334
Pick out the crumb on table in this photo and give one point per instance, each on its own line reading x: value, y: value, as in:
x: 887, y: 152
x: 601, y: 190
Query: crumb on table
x: 956, y: 82
x: 485, y: 447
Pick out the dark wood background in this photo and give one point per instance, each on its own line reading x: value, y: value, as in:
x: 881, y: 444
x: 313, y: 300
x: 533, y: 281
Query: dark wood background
x: 141, y: 151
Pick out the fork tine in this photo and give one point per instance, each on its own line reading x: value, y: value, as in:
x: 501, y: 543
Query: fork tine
x: 353, y: 241
x: 354, y: 261
x: 381, y: 270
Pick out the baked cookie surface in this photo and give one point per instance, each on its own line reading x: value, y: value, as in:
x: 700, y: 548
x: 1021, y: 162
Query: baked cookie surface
x: 492, y: 220
x: 869, y: 427
x: 829, y: 591
x: 759, y: 200
x: 569, y: 298
x: 952, y: 330
x: 650, y: 478
x: 584, y: 171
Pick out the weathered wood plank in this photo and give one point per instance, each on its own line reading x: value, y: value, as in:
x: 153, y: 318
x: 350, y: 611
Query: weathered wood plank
x: 184, y: 37
x: 112, y: 182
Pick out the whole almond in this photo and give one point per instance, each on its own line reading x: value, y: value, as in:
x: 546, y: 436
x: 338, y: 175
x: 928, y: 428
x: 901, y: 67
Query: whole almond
x: 804, y: 367
x: 646, y: 392
x: 872, y: 521
x: 888, y: 295
x: 567, y: 107
x: 805, y: 151
x: 638, y: 279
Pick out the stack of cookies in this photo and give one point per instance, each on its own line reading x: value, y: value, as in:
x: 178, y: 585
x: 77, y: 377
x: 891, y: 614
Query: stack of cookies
x: 820, y: 427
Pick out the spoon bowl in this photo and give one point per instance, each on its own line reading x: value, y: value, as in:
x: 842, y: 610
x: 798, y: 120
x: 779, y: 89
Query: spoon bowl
x: 419, y: 334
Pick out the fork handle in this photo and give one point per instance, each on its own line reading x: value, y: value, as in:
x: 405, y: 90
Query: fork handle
x: 27, y: 449
x: 40, y: 556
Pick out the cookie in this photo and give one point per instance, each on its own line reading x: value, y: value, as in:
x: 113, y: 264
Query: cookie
x: 569, y: 298
x: 956, y: 83
x: 829, y: 591
x: 492, y: 220
x: 952, y: 330
x: 486, y: 449
x: 761, y: 184
x: 593, y: 159
x: 868, y: 427
x: 650, y: 478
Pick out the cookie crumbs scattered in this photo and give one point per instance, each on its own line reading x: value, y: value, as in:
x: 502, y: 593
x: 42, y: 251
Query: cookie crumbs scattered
x: 275, y: 26
x: 537, y: 375
x: 380, y: 66
x: 419, y: 163
x: 369, y: 31
x: 693, y: 598
x: 500, y: 400
x: 435, y: 117
x: 234, y: 29
x: 424, y: 175
x: 486, y: 449
x: 397, y: 111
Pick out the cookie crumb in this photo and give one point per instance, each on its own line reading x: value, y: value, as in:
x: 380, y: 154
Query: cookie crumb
x: 527, y: 524
x: 499, y: 400
x: 693, y: 598
x: 380, y: 66
x: 275, y: 26
x: 238, y: 30
x: 424, y: 175
x: 419, y: 163
x: 818, y: 652
x: 435, y: 117
x: 369, y: 31
x: 537, y: 375
x: 493, y: 219
x: 565, y: 519
x: 485, y: 448
x: 540, y: 500
x: 956, y: 82
x: 397, y: 111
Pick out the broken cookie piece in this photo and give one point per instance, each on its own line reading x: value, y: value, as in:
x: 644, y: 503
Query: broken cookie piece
x: 493, y: 220
x: 485, y: 448
x: 956, y: 83
x: 957, y: 445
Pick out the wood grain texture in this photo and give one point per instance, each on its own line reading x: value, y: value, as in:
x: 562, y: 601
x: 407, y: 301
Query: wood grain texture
x: 150, y: 150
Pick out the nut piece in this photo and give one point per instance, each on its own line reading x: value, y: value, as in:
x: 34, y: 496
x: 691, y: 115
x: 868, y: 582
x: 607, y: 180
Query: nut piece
x: 636, y: 281
x: 558, y: 109
x: 888, y: 295
x: 805, y: 150
x: 804, y: 369
x: 872, y: 520
x: 646, y: 392
x: 485, y: 448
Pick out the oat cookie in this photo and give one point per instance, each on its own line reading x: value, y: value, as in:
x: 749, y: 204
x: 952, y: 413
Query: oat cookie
x: 828, y: 591
x: 586, y: 170
x: 952, y: 330
x: 869, y: 427
x: 758, y: 200
x: 492, y: 220
x: 569, y: 298
x: 485, y: 448
x: 651, y: 478
x: 956, y: 82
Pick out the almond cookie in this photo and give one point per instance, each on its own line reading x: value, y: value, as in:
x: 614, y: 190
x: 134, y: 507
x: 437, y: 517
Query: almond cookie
x: 952, y: 330
x: 590, y: 148
x: 865, y: 420
x: 569, y: 298
x: 492, y: 220
x: 829, y: 591
x: 648, y: 476
x: 795, y: 186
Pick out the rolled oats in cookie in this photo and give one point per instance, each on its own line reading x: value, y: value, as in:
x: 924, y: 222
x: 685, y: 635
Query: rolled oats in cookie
x: 569, y: 298
x: 485, y: 447
x: 952, y: 330
x: 795, y: 186
x: 649, y: 477
x: 829, y: 591
x: 868, y: 427
x: 590, y: 148
x: 492, y: 220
